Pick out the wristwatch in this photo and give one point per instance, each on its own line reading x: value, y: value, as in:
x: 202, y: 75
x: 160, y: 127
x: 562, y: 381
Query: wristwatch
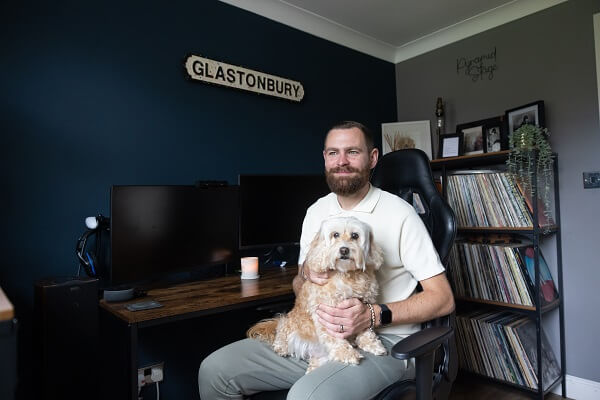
x: 385, y: 315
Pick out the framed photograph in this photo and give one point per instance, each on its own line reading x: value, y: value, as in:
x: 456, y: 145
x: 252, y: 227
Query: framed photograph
x: 406, y: 135
x: 496, y: 138
x: 532, y: 113
x: 473, y: 137
x: 450, y: 145
x: 484, y: 136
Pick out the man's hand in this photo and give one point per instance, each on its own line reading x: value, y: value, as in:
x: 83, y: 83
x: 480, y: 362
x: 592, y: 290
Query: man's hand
x: 320, y: 278
x: 352, y: 314
x: 304, y: 274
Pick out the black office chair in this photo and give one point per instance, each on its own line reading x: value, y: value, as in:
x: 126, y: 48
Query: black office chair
x: 404, y: 173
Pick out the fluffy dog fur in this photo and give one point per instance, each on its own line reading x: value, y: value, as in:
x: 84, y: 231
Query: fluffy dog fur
x: 345, y: 247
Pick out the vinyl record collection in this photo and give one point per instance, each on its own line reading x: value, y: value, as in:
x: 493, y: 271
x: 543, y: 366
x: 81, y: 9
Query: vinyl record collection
x: 487, y: 199
x: 503, y: 345
x: 493, y: 268
x: 499, y: 273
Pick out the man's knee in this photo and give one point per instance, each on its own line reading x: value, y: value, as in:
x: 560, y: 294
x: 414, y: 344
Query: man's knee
x: 209, y: 376
x: 308, y: 392
x: 308, y: 388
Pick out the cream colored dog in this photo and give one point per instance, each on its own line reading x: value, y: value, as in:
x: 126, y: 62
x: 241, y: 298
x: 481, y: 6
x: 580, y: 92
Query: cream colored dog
x: 345, y: 247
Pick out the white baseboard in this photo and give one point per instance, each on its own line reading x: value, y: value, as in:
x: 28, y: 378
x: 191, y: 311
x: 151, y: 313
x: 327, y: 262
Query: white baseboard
x: 580, y: 389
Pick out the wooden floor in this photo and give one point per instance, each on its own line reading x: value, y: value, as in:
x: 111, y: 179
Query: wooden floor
x: 470, y: 388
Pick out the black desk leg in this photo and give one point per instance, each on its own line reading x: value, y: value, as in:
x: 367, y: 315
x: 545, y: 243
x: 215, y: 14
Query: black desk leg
x: 118, y: 344
x: 133, y: 361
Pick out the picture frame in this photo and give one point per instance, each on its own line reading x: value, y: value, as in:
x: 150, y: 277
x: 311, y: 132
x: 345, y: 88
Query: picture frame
x: 532, y: 113
x: 473, y: 137
x: 450, y: 145
x: 406, y: 135
x: 496, y: 138
x: 484, y: 136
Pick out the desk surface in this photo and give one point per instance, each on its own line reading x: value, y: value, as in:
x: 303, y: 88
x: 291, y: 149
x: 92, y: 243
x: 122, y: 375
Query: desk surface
x: 208, y: 297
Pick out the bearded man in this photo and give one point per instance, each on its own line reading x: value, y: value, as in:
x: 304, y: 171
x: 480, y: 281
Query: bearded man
x: 249, y: 366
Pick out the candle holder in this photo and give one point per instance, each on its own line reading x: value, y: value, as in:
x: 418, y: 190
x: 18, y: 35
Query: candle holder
x: 249, y: 268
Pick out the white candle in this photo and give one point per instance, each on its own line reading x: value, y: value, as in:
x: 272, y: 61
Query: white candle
x: 249, y: 267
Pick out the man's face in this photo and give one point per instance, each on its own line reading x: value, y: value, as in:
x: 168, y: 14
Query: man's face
x: 348, y: 162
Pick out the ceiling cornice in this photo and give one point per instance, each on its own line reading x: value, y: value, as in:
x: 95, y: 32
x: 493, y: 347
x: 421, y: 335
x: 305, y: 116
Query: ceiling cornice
x: 472, y: 26
x: 318, y: 26
x: 324, y: 28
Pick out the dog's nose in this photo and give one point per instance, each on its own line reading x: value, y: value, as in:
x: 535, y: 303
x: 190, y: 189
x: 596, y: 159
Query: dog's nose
x: 344, y: 251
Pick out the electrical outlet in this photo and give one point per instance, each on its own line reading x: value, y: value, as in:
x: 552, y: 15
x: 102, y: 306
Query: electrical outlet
x: 150, y: 374
x: 591, y: 180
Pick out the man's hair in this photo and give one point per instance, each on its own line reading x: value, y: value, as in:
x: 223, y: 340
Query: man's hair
x: 353, y: 124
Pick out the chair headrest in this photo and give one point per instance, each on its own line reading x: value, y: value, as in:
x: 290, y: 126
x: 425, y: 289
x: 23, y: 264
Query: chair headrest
x: 408, y: 172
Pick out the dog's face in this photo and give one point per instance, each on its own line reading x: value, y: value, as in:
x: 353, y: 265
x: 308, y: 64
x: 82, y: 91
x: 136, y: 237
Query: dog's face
x: 343, y: 244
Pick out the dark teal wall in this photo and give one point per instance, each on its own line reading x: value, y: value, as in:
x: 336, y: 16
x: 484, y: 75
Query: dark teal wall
x: 94, y: 94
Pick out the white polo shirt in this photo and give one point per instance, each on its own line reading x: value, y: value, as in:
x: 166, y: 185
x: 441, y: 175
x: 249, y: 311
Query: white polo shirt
x: 409, y: 254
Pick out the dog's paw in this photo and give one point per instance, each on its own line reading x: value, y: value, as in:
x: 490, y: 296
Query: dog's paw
x: 313, y: 364
x: 376, y: 348
x: 346, y: 355
x: 280, y: 348
x: 368, y: 341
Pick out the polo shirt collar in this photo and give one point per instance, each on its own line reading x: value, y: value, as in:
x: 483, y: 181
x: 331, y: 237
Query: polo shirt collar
x: 366, y: 205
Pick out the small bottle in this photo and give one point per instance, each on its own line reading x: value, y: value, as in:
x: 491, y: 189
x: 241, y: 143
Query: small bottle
x: 439, y: 128
x: 439, y: 113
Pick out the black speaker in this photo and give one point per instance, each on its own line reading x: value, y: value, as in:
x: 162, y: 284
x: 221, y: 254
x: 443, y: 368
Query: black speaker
x: 66, y: 338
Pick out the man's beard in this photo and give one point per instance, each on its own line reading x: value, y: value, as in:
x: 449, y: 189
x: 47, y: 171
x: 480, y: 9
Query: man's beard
x: 347, y: 185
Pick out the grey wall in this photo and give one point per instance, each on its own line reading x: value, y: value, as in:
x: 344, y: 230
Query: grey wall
x: 547, y: 56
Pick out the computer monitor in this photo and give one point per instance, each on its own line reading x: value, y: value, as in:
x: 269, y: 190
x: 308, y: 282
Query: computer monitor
x: 273, y: 207
x: 161, y: 230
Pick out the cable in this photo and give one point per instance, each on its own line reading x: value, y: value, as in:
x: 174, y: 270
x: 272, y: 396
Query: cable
x: 157, y: 391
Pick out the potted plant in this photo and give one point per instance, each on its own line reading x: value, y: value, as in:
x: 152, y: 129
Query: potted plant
x: 529, y: 146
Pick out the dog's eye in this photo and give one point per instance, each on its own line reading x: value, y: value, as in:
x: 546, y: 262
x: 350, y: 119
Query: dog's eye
x: 354, y: 235
x: 336, y: 235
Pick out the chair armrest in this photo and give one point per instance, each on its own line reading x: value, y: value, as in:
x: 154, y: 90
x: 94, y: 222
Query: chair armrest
x: 421, y: 342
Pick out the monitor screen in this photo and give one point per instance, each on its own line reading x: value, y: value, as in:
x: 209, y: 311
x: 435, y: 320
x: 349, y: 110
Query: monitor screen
x: 160, y: 230
x: 273, y: 207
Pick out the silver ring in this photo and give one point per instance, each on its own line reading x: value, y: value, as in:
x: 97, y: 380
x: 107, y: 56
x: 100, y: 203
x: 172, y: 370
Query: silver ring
x: 341, y: 328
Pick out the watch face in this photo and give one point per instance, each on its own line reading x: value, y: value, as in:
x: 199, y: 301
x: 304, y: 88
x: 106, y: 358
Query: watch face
x: 386, y: 315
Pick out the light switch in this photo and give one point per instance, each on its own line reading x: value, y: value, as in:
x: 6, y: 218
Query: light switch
x: 591, y: 180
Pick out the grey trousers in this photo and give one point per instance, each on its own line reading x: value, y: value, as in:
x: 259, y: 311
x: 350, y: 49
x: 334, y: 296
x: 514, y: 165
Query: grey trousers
x: 249, y: 366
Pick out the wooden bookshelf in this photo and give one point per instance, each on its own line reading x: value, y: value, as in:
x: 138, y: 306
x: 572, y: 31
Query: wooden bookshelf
x: 504, y: 229
x: 548, y: 307
x: 474, y: 160
x: 488, y: 281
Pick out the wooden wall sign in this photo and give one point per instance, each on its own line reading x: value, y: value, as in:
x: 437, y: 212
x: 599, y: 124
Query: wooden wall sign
x: 219, y: 73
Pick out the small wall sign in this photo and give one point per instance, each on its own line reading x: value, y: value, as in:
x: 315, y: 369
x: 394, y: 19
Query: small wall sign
x: 479, y: 67
x: 219, y: 73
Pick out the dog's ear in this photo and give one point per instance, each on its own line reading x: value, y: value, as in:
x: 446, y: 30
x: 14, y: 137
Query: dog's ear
x: 316, y: 258
x: 374, y: 253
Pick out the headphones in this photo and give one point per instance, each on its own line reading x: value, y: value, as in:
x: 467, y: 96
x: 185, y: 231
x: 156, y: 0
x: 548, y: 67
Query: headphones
x: 86, y: 259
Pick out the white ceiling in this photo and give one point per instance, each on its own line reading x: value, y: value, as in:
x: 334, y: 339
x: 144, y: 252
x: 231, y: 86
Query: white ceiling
x: 393, y: 30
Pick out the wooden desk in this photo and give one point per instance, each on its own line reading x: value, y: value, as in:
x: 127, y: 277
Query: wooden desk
x: 185, y: 301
